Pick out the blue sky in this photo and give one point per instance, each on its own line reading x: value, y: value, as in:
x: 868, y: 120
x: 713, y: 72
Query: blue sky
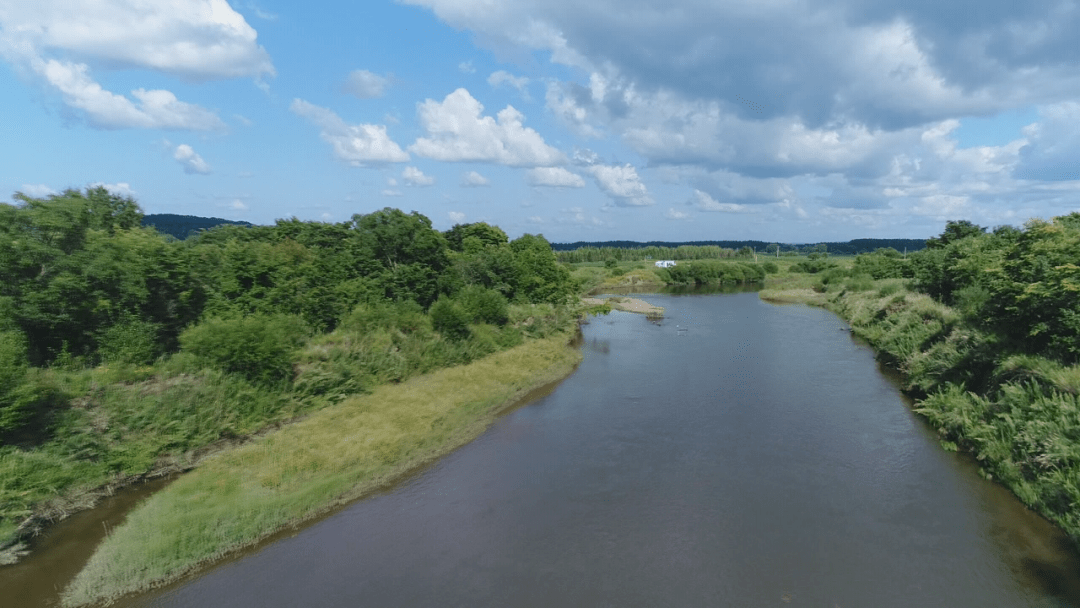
x: 778, y: 120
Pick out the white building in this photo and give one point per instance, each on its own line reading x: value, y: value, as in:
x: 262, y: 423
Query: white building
x: 665, y: 263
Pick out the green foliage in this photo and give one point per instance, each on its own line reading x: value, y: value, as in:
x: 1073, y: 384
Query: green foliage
x: 484, y: 234
x: 882, y: 264
x: 258, y: 347
x: 770, y: 267
x: 540, y: 277
x: 955, y: 231
x: 813, y: 265
x: 13, y: 366
x: 708, y: 271
x: 450, y: 319
x: 130, y: 341
x: 483, y: 305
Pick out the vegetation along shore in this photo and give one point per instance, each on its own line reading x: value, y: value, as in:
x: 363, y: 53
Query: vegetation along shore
x: 126, y: 353
x: 984, y: 327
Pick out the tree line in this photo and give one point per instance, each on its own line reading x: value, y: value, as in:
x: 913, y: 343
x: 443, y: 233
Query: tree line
x: 660, y: 250
x: 83, y: 282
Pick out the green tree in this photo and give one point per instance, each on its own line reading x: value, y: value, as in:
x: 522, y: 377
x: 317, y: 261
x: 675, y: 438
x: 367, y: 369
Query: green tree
x: 954, y: 231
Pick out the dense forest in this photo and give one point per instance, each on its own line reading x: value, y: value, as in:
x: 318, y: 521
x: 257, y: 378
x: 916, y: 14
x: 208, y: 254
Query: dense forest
x: 122, y: 348
x: 183, y: 226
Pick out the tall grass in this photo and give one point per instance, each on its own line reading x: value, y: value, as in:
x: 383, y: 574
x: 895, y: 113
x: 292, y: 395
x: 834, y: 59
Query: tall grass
x: 127, y: 421
x: 334, y: 455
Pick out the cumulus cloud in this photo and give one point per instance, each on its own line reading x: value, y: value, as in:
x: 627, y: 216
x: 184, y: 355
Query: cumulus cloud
x: 389, y: 192
x: 117, y: 189
x: 155, y: 109
x: 852, y: 114
x: 705, y: 202
x: 501, y: 77
x: 622, y: 184
x: 365, y: 85
x: 37, y: 190
x: 238, y: 205
x: 553, y: 177
x: 675, y: 214
x: 354, y: 144
x: 458, y: 132
x: 467, y: 67
x: 456, y: 216
x: 472, y: 179
x: 416, y: 177
x: 196, y: 39
x: 190, y: 160
x: 57, y: 40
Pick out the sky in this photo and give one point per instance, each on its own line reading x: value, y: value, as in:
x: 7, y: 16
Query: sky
x: 775, y: 120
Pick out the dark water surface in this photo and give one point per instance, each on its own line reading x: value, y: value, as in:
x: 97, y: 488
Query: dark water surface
x: 737, y: 454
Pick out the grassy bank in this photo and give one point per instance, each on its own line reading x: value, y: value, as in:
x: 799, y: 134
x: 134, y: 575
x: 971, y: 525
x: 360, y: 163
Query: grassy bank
x: 1017, y: 413
x: 304, y: 469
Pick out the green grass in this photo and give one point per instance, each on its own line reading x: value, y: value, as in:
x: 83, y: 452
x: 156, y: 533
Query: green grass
x: 334, y: 455
x: 126, y: 422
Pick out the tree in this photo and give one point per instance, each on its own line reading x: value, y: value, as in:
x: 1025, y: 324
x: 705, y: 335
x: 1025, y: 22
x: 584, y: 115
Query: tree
x: 403, y: 252
x: 486, y: 234
x: 954, y: 231
x: 773, y: 249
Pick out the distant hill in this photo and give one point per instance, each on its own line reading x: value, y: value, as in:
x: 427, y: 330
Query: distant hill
x: 183, y: 226
x: 848, y: 247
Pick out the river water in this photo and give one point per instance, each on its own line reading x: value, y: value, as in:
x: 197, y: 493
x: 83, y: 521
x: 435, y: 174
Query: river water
x: 737, y: 453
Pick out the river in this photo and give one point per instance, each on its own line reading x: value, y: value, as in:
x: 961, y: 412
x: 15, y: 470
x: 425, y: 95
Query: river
x: 738, y: 453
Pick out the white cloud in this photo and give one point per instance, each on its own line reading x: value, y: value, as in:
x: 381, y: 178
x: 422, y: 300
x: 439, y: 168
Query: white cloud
x: 708, y: 203
x: 156, y: 109
x: 622, y: 184
x: 118, y: 189
x: 555, y: 177
x: 467, y: 67
x: 456, y: 216
x: 675, y: 214
x: 389, y: 192
x: 391, y: 181
x: 472, y: 179
x: 196, y: 39
x: 458, y: 132
x: 355, y: 144
x: 238, y: 205
x: 244, y: 120
x: 37, y: 190
x: 535, y: 219
x: 365, y: 85
x: 501, y: 77
x: 416, y: 177
x: 190, y: 160
x: 577, y: 216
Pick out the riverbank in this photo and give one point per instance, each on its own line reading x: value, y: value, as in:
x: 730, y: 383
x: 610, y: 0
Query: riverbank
x: 1014, y: 412
x: 332, y: 457
x: 626, y: 304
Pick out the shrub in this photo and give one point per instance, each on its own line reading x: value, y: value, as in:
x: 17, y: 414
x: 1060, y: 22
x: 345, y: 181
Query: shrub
x: 483, y: 305
x: 131, y: 341
x: 13, y: 367
x: 449, y: 319
x: 770, y: 267
x: 405, y: 315
x: 258, y: 347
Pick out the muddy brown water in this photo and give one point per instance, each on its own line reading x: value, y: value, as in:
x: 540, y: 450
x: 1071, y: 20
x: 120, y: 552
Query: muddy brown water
x: 738, y: 453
